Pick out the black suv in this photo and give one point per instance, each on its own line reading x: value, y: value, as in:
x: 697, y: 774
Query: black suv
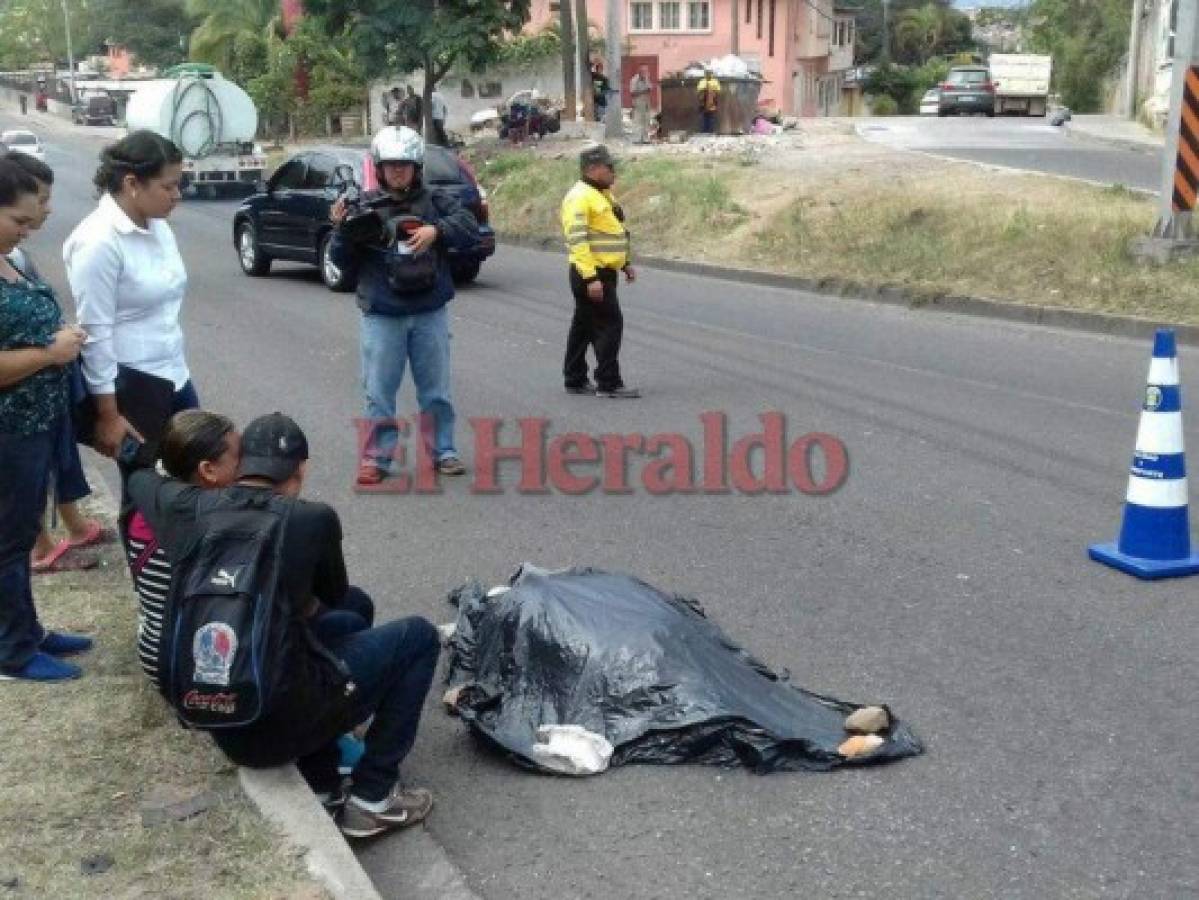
x: 967, y: 89
x: 288, y: 219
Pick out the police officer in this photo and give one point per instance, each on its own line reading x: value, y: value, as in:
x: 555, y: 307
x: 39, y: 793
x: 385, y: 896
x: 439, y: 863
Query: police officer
x: 598, y: 246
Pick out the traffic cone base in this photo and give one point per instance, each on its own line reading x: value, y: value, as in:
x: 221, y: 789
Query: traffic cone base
x: 1143, y: 568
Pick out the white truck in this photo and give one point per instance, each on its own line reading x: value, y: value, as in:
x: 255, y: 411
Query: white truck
x: 1021, y: 82
x: 211, y: 120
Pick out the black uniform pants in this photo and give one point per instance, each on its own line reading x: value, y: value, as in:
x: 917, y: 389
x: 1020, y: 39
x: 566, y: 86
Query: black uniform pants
x: 596, y: 324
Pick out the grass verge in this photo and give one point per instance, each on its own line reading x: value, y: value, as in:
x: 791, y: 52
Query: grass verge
x: 934, y: 228
x: 84, y: 762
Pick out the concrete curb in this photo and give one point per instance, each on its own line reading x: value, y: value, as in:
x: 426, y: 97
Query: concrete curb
x: 1147, y: 145
x: 1051, y: 316
x: 282, y: 796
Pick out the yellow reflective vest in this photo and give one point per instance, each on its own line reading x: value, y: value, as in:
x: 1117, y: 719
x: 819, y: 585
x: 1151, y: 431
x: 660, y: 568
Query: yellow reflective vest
x: 595, y: 238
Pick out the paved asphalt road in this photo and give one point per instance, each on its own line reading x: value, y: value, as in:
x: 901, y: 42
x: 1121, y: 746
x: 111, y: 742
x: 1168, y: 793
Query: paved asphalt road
x: 947, y: 578
x: 1018, y: 143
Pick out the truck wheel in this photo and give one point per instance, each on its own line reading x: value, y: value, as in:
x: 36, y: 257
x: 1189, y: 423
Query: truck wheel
x: 253, y: 261
x: 333, y: 277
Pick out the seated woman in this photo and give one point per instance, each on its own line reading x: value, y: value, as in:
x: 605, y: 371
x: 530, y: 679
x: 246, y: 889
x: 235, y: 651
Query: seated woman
x: 198, y: 447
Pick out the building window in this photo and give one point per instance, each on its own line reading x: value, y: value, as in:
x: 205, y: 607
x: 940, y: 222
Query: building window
x: 641, y: 16
x: 669, y: 18
x: 668, y: 15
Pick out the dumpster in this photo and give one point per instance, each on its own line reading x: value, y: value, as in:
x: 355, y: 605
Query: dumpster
x: 735, y: 115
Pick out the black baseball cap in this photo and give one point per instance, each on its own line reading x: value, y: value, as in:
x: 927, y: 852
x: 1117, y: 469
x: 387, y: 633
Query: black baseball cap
x: 273, y: 447
x: 598, y: 155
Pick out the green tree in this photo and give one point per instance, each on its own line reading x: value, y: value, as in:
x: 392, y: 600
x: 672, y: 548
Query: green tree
x: 430, y: 35
x: 227, y: 26
x: 1087, y: 40
x: 918, y: 32
x: 900, y: 83
x: 34, y: 31
x: 951, y: 28
x: 154, y: 31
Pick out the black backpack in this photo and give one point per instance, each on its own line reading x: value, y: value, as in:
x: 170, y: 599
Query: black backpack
x: 230, y: 643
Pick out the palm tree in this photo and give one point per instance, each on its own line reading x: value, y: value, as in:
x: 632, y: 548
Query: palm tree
x: 226, y: 22
x: 919, y: 31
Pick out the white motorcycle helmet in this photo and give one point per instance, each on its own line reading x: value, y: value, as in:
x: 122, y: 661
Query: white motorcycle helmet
x: 398, y: 143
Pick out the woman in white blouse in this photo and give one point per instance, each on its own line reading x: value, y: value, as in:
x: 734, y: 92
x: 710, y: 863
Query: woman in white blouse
x: 128, y: 279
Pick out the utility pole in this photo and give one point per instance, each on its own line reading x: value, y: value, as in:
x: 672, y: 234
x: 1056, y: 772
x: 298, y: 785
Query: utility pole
x: 736, y: 35
x: 614, y: 124
x: 66, y: 15
x: 886, y: 48
x: 566, y: 28
x: 583, y: 49
x: 1173, y: 235
x: 1134, y: 60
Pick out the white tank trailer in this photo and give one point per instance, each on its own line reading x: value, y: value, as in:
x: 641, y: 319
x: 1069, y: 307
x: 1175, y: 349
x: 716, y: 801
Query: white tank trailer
x: 210, y: 119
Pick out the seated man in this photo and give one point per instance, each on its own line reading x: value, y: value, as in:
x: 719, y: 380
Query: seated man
x: 389, y: 668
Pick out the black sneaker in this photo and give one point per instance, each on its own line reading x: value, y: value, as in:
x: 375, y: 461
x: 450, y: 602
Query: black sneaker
x: 584, y: 389
x: 620, y: 393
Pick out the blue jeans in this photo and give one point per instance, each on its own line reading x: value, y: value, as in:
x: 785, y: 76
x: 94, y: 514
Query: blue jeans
x: 25, y: 462
x: 70, y: 483
x: 393, y: 667
x: 389, y: 343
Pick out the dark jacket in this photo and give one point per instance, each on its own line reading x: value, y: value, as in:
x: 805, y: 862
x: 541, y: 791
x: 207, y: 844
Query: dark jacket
x: 316, y: 706
x: 456, y: 229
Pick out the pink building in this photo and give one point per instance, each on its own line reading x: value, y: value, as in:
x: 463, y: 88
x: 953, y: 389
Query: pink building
x: 803, y: 48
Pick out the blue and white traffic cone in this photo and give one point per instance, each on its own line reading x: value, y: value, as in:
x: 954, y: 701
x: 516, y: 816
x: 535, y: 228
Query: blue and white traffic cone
x: 1155, y: 539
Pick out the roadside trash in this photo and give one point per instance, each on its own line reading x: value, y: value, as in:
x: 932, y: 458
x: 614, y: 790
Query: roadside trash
x: 610, y: 655
x: 571, y: 750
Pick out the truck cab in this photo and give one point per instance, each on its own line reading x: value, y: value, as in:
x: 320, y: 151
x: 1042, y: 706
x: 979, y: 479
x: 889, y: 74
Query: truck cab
x: 94, y: 109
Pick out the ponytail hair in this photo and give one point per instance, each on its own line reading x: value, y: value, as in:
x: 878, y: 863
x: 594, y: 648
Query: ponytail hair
x: 142, y: 154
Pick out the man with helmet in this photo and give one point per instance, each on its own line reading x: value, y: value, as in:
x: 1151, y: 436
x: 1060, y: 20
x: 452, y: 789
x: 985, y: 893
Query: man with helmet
x: 396, y: 245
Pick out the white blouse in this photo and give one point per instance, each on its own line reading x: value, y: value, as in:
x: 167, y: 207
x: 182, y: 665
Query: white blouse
x: 128, y: 284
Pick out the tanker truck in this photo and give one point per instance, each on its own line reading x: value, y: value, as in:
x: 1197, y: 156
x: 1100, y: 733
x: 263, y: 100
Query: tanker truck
x: 210, y: 119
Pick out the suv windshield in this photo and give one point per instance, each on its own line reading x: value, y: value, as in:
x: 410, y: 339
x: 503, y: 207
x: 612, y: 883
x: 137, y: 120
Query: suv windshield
x: 19, y: 140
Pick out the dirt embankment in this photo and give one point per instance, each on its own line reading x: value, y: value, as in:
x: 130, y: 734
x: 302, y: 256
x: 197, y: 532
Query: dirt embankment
x: 821, y: 203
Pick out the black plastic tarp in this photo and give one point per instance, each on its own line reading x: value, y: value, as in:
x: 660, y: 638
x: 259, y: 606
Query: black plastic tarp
x: 647, y: 670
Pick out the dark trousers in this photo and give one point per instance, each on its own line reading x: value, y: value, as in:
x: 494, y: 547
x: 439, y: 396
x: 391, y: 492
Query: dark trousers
x: 393, y: 667
x: 70, y: 483
x: 25, y: 462
x: 597, y: 325
x: 708, y: 122
x: 184, y: 398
